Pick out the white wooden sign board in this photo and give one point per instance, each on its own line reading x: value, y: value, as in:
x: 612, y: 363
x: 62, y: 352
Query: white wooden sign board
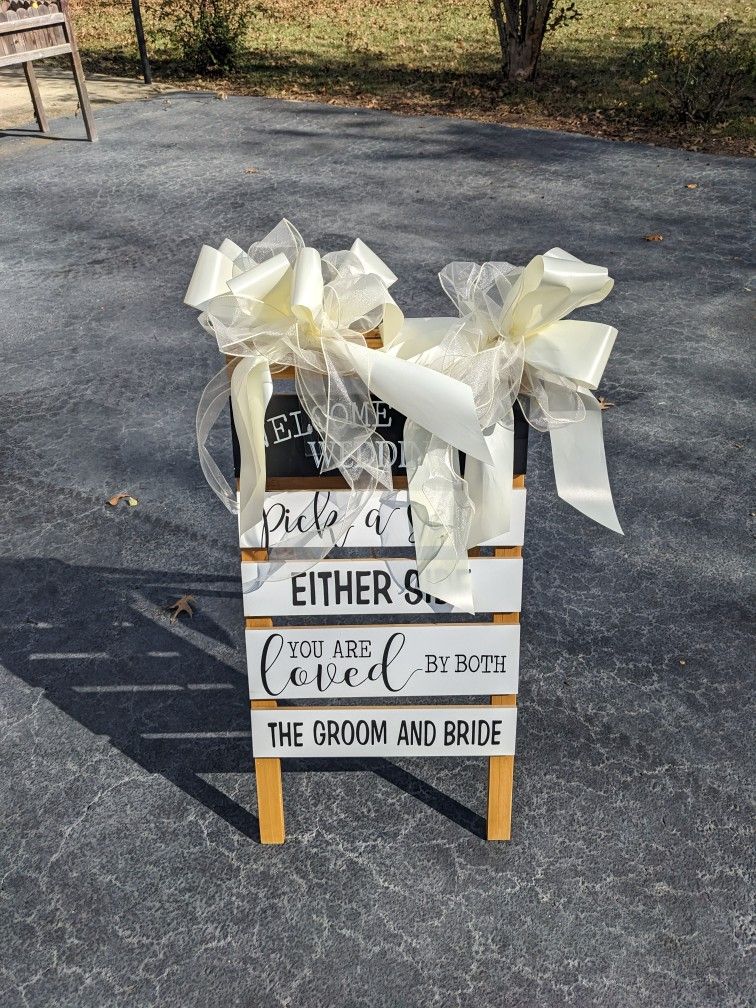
x: 302, y: 663
x: 352, y: 587
x: 383, y: 521
x: 384, y: 731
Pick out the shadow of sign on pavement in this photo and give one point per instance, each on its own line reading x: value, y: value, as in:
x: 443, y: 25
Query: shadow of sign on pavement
x: 171, y: 697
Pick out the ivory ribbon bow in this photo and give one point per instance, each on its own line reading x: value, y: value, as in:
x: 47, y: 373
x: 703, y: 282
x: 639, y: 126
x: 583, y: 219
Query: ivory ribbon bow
x: 281, y: 304
x: 510, y: 342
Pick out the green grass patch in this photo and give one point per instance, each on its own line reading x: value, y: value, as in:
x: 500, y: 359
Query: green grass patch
x: 439, y: 57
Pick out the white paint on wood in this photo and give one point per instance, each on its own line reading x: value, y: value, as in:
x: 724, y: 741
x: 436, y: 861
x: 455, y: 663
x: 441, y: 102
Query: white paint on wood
x: 370, y: 587
x: 384, y: 731
x: 302, y: 663
x: 383, y: 520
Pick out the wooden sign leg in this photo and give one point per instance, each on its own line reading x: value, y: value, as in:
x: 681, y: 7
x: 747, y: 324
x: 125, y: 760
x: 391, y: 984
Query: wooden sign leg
x: 268, y: 777
x: 501, y: 768
x: 500, y: 780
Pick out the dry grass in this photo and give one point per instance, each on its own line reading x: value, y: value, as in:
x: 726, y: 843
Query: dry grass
x: 438, y: 57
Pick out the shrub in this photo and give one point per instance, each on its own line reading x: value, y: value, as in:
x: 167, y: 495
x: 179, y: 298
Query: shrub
x: 698, y: 79
x: 209, y: 34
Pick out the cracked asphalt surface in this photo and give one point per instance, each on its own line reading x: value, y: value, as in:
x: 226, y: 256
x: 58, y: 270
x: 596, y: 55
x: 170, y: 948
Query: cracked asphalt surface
x: 132, y: 874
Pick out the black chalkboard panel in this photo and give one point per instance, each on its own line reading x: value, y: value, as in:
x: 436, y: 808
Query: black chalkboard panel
x: 293, y: 447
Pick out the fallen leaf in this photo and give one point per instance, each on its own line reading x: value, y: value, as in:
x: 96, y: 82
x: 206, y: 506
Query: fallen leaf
x: 180, y: 606
x: 117, y: 498
x: 691, y: 185
x: 250, y: 171
x: 654, y: 236
x: 132, y: 501
x: 604, y: 403
x: 222, y: 96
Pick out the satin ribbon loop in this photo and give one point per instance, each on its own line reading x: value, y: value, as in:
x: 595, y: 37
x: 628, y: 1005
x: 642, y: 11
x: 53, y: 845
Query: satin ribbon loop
x: 280, y: 304
x: 510, y: 343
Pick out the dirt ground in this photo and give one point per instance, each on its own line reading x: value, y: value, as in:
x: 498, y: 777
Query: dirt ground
x: 59, y: 94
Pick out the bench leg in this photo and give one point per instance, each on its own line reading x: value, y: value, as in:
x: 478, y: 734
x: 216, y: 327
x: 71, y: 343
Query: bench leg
x: 36, y: 97
x: 81, y: 84
x: 81, y: 90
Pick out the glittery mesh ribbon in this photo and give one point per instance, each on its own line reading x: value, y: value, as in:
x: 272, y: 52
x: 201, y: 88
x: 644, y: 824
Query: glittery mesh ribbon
x: 510, y: 342
x: 280, y: 304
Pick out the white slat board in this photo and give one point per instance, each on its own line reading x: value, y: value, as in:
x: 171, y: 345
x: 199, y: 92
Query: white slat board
x: 384, y: 731
x: 370, y: 587
x: 302, y: 663
x: 382, y: 522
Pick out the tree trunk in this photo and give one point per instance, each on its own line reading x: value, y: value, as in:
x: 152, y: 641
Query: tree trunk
x: 522, y: 58
x: 521, y: 25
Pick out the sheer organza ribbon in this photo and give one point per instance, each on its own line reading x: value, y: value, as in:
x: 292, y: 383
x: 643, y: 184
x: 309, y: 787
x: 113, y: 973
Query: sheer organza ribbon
x: 510, y: 342
x: 280, y: 304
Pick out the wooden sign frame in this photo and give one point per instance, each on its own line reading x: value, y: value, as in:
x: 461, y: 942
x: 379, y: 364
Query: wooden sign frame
x: 268, y: 770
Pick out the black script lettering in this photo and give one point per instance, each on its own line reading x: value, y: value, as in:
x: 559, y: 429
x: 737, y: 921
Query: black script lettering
x: 331, y: 733
x: 297, y: 590
x: 346, y: 650
x: 478, y: 732
x: 382, y: 582
x: 416, y: 733
x: 352, y: 677
x: 286, y: 734
x: 481, y: 663
x: 306, y: 649
x: 341, y: 586
x: 267, y: 662
x: 325, y: 577
x: 363, y: 587
x: 413, y: 595
x: 318, y: 515
x: 380, y: 670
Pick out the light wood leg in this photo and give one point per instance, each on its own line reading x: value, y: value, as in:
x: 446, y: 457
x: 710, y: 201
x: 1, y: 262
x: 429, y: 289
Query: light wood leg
x: 500, y: 781
x: 501, y: 768
x: 268, y: 775
x: 36, y: 97
x: 269, y: 781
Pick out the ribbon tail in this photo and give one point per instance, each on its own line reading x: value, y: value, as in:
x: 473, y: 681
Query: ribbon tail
x: 212, y: 403
x: 490, y: 487
x: 580, y: 470
x: 440, y: 404
x: 251, y: 389
x: 441, y: 513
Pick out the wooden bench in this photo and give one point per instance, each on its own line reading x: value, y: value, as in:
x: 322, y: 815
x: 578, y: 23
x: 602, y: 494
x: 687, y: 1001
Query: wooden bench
x: 30, y: 30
